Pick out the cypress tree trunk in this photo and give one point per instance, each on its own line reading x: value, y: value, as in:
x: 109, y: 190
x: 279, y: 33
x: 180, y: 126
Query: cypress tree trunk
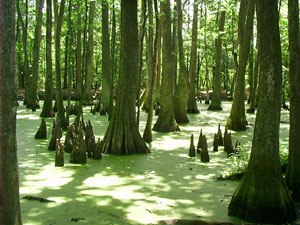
x: 87, y: 97
x: 251, y: 108
x: 293, y: 171
x: 9, y: 178
x: 216, y: 97
x: 106, y: 75
x: 113, y: 61
x: 262, y: 196
x: 47, y: 110
x: 70, y: 68
x: 78, y: 53
x: 166, y: 120
x: 122, y: 135
x: 32, y: 98
x: 24, y: 26
x: 65, y: 84
x: 237, y: 118
x: 158, y: 63
x: 180, y: 103
x: 151, y: 66
x: 192, y: 104
x: 141, y: 36
x: 206, y: 58
x: 250, y: 70
x: 59, y: 98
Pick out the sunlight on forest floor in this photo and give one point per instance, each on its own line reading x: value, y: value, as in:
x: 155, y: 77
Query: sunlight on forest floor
x: 136, y: 189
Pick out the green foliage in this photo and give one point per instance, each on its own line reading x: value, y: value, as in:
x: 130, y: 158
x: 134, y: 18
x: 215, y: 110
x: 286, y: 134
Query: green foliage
x: 239, y: 162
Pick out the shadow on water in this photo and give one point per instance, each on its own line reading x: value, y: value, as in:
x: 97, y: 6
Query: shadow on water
x: 136, y: 189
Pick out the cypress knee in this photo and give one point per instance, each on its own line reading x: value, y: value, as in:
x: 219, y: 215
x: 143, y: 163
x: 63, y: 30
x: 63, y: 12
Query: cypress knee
x: 229, y: 148
x: 42, y: 131
x: 69, y: 139
x: 78, y: 154
x: 216, y: 143
x: 225, y: 137
x: 220, y: 136
x: 97, y: 154
x: 56, y: 134
x: 204, y: 151
x: 59, y: 157
x: 199, y: 146
x: 192, y: 151
x: 91, y: 145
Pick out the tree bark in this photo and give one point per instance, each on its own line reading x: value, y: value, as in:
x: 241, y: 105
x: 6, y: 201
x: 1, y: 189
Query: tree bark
x: 262, y: 196
x: 180, y: 103
x: 24, y: 26
x: 10, y: 212
x: 216, y: 97
x: 69, y: 64
x: 113, y: 62
x: 151, y: 66
x: 122, y: 135
x: 32, y: 98
x: 47, y: 110
x: 87, y: 97
x: 237, y: 118
x: 140, y: 56
x: 78, y: 52
x: 166, y: 120
x: 59, y: 98
x: 158, y: 64
x: 192, y: 104
x: 293, y: 170
x: 106, y: 75
x: 253, y: 93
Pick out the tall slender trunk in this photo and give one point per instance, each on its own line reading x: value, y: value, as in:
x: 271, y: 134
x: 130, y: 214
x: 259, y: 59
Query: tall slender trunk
x: 106, y: 73
x: 166, y: 120
x: 158, y: 64
x: 206, y: 58
x: 87, y: 97
x: 253, y: 94
x: 32, y: 98
x: 78, y: 53
x: 293, y: 170
x: 140, y: 56
x: 113, y: 60
x: 192, y: 104
x: 217, y: 95
x: 47, y: 110
x: 70, y: 72
x: 151, y: 65
x: 59, y: 97
x: 237, y: 118
x: 65, y: 84
x: 24, y: 26
x: 10, y: 212
x: 180, y: 103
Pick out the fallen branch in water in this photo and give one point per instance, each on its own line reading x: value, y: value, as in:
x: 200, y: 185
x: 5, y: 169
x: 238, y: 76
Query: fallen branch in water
x: 34, y: 198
